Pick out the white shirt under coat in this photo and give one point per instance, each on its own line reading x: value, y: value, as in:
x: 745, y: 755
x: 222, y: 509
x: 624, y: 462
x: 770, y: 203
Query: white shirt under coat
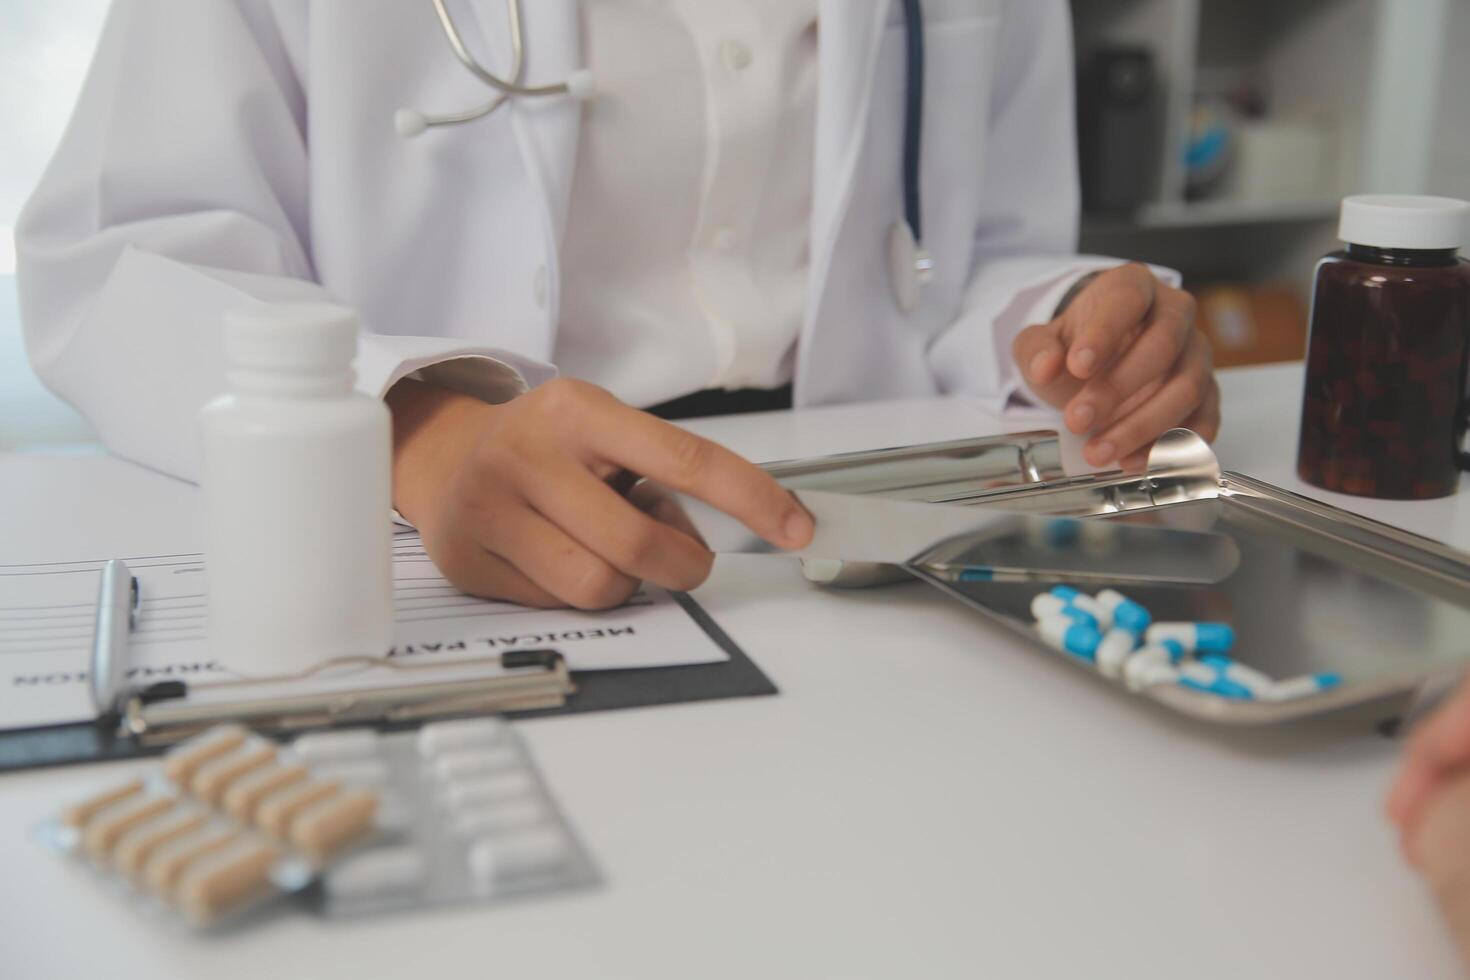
x: 193, y: 179
x: 685, y: 259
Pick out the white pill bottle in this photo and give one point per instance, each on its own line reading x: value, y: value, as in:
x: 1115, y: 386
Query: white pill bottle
x: 297, y: 496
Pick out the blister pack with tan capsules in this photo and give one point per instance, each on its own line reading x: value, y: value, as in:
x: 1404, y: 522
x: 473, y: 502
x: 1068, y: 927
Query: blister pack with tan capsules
x: 341, y: 823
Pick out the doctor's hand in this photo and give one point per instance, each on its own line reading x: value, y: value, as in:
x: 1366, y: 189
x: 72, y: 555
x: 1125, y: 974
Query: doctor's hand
x: 521, y: 501
x: 1126, y: 364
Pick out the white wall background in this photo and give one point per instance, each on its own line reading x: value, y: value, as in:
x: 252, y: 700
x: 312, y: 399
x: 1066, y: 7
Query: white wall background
x: 1449, y: 165
x: 44, y: 49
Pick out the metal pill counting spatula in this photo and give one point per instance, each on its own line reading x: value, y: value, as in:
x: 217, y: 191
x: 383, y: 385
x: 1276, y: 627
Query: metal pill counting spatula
x: 982, y: 544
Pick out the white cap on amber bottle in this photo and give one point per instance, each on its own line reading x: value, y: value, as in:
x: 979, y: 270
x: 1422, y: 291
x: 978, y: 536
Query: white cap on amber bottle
x: 1404, y: 221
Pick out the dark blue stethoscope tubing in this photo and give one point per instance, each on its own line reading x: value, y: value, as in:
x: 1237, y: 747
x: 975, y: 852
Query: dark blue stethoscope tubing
x: 913, y: 113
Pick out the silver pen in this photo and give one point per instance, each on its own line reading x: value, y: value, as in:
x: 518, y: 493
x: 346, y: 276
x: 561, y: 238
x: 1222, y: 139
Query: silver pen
x: 118, y: 600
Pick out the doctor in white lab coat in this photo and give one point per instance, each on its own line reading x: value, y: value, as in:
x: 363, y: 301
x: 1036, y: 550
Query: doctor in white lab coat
x: 715, y: 217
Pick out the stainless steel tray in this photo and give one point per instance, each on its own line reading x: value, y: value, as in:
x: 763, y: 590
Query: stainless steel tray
x: 1318, y: 588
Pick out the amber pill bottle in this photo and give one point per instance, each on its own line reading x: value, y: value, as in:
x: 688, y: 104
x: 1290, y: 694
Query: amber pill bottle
x: 1384, y: 407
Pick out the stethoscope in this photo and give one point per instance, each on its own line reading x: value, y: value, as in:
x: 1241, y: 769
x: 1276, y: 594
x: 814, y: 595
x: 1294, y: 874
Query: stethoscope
x: 910, y: 265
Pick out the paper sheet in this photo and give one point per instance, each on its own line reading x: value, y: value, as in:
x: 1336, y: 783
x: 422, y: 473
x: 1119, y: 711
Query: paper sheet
x: 47, y: 612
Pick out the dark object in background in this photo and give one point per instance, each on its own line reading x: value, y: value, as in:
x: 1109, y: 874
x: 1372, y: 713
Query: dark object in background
x: 1119, y: 128
x: 1384, y: 408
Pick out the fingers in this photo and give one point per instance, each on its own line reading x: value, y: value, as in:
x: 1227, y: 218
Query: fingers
x: 1039, y: 353
x: 615, y: 530
x: 1136, y: 462
x: 1438, y: 843
x: 662, y: 507
x: 1416, y: 775
x: 1150, y: 358
x: 1424, y: 844
x: 701, y: 468
x: 1175, y: 401
x: 475, y: 571
x: 1105, y: 315
x: 1413, y: 781
x: 556, y: 562
x: 1439, y: 746
x: 1099, y: 326
x: 1444, y: 740
x: 1205, y: 422
x: 1413, y: 790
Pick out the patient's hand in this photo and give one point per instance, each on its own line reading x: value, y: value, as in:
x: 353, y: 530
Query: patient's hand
x: 1441, y: 843
x: 1430, y: 803
x: 1438, y: 750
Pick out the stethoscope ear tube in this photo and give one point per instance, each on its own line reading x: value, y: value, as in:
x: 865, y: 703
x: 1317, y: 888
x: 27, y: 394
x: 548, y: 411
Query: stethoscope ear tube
x: 578, y: 85
x: 909, y: 264
x: 913, y: 114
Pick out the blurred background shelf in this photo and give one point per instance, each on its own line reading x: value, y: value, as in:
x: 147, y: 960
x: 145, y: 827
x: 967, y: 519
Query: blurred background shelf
x: 1218, y: 136
x: 1224, y: 211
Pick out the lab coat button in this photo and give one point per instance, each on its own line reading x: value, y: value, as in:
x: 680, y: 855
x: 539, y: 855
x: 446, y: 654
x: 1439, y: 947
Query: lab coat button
x: 735, y: 54
x: 538, y: 286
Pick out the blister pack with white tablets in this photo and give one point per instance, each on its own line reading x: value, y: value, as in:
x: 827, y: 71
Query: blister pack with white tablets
x: 341, y: 823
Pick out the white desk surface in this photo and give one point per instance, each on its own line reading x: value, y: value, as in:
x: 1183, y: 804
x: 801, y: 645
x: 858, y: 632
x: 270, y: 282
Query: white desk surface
x: 925, y: 798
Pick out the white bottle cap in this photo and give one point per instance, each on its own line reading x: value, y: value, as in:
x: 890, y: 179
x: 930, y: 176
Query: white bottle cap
x: 1404, y: 221
x: 291, y: 338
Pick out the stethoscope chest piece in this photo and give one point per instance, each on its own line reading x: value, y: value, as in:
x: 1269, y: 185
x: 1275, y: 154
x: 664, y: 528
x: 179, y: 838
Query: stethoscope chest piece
x: 909, y: 266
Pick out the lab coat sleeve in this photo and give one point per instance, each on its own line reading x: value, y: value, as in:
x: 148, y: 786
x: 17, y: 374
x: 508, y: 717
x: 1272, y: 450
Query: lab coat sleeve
x: 179, y: 192
x: 1025, y: 241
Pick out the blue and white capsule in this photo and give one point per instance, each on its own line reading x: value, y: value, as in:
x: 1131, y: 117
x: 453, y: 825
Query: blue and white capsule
x: 1126, y: 614
x: 1194, y: 637
x: 1114, y: 650
x: 1149, y: 667
x: 1058, y: 532
x: 1046, y: 605
x: 1070, y: 636
x: 1247, y: 677
x: 1199, y: 676
x: 1302, y: 687
x: 1081, y: 600
x: 1174, y: 649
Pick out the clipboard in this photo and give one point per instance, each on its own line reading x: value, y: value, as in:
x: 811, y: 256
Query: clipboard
x: 597, y: 690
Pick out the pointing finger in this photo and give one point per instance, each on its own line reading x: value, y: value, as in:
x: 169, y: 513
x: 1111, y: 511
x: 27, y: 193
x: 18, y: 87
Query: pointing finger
x: 703, y: 469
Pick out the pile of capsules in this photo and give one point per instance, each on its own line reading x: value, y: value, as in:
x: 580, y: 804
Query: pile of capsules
x: 230, y: 821
x: 1120, y: 637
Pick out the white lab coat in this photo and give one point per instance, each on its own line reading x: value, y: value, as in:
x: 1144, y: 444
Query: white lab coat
x: 236, y: 151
